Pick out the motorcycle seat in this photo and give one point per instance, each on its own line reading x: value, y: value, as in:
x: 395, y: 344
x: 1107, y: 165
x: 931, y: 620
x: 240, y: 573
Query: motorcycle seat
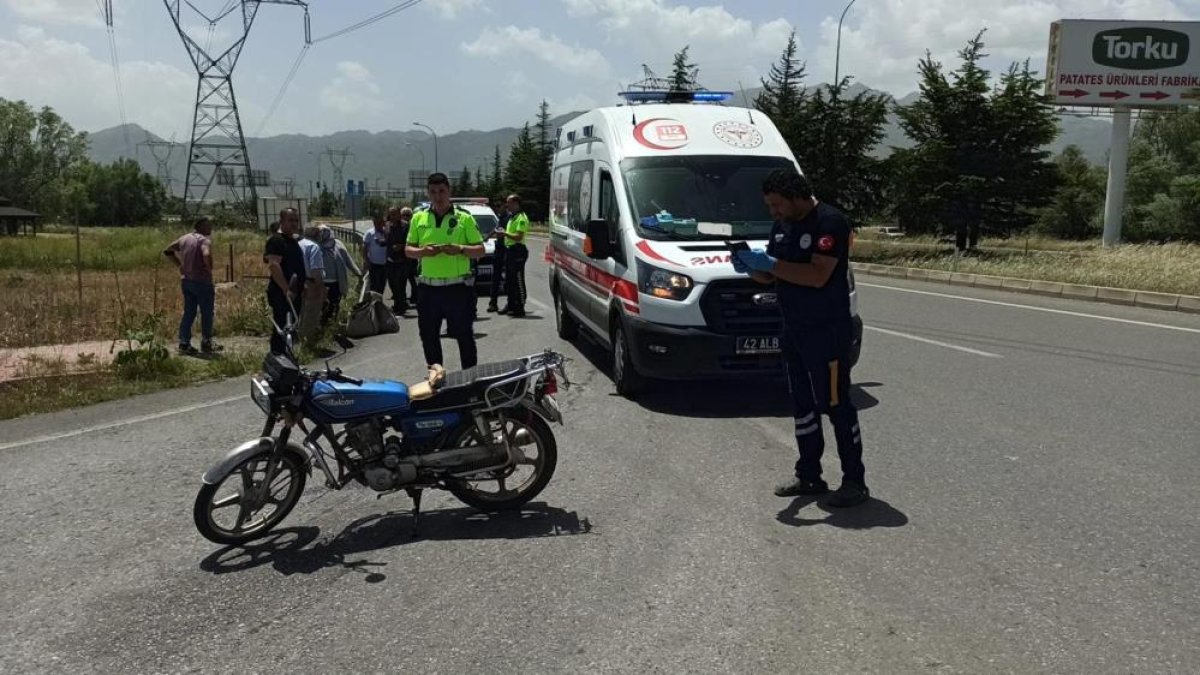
x: 466, y: 387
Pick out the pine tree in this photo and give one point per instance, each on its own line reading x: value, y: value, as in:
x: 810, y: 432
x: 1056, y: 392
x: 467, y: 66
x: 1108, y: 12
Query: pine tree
x: 481, y: 185
x: 497, y: 182
x: 684, y: 75
x: 1075, y: 212
x: 535, y: 202
x: 520, y: 172
x: 836, y: 153
x: 783, y: 93
x: 463, y: 186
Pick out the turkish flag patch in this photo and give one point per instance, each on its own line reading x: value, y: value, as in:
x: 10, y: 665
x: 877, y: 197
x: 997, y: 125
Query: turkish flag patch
x: 825, y: 242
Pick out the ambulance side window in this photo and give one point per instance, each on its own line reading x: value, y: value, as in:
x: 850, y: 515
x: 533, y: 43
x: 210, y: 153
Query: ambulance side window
x: 610, y: 211
x: 579, y: 196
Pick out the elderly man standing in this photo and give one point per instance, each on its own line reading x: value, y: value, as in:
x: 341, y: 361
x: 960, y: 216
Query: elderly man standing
x: 375, y: 254
x: 314, y: 286
x: 192, y: 254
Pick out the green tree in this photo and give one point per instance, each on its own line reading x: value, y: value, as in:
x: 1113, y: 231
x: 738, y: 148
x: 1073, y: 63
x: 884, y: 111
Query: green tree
x: 1075, y: 212
x: 1164, y: 170
x: 38, y: 150
x: 537, y: 199
x: 684, y: 74
x: 496, y: 183
x: 837, y: 156
x: 121, y: 194
x: 520, y: 174
x: 783, y: 93
x: 978, y: 160
x: 463, y: 185
x: 325, y: 204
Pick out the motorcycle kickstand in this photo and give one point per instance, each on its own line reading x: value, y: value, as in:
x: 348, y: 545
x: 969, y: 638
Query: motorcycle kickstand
x: 415, y: 495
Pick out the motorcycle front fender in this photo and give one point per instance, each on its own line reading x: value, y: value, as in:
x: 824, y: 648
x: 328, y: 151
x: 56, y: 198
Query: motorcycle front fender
x: 241, y: 453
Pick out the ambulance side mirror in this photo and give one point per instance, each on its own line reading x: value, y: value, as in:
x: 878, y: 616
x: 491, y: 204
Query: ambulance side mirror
x: 597, y: 245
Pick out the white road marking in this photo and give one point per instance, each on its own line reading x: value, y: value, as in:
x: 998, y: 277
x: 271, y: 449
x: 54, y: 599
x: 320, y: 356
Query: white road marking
x: 121, y: 423
x: 1035, y: 308
x: 947, y: 345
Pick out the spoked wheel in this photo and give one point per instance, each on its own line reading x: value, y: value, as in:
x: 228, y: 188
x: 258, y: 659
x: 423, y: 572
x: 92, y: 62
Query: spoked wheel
x: 245, y: 505
x: 512, y: 487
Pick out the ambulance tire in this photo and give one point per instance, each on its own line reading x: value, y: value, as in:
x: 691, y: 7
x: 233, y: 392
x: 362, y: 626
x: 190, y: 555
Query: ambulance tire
x: 568, y: 328
x: 627, y: 380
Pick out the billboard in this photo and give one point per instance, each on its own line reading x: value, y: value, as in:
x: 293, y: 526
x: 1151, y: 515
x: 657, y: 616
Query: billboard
x: 1132, y: 63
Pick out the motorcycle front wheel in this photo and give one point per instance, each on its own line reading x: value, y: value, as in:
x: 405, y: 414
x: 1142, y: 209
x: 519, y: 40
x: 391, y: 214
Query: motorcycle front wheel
x: 512, y: 487
x: 243, y: 506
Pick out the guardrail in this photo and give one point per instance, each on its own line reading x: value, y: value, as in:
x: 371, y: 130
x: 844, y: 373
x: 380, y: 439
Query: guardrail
x: 347, y: 236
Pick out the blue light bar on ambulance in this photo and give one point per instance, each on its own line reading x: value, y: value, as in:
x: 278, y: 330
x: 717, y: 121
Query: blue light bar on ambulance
x: 676, y: 96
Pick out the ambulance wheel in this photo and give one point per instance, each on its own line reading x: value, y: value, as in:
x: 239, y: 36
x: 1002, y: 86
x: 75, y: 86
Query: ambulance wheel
x: 568, y: 329
x: 628, y: 381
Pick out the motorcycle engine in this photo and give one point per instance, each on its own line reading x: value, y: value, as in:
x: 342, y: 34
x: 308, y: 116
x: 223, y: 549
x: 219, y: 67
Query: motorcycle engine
x: 383, y: 469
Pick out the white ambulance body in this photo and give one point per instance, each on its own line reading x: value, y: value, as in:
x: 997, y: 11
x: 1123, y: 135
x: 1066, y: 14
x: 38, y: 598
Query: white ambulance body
x: 643, y: 201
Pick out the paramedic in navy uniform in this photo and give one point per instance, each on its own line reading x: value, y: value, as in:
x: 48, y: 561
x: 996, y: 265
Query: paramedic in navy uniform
x: 806, y: 259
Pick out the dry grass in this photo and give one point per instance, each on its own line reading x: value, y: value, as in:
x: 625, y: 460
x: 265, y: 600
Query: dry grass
x: 46, y: 387
x: 1166, y: 268
x: 124, y: 279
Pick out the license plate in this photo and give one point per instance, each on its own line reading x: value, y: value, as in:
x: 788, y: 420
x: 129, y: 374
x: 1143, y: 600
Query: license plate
x: 758, y: 345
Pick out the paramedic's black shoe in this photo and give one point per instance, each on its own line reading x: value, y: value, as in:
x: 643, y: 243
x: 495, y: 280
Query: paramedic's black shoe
x: 797, y: 488
x: 187, y: 350
x: 849, y: 494
x: 209, y: 347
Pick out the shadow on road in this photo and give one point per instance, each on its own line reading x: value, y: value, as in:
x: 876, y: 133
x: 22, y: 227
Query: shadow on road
x: 288, y: 550
x: 874, y: 513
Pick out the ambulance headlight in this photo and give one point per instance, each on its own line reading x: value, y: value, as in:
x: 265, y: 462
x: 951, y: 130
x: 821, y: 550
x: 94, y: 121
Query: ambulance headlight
x: 665, y: 284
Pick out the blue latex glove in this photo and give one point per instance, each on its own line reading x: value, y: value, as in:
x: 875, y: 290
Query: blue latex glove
x: 738, y: 266
x: 757, y: 260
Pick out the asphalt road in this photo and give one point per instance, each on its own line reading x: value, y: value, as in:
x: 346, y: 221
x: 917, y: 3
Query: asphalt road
x: 1034, y: 461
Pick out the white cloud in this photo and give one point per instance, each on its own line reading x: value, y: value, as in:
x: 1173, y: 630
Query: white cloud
x: 524, y: 42
x: 452, y: 9
x: 882, y: 41
x: 44, y: 70
x: 725, y: 47
x: 73, y: 12
x: 353, y: 91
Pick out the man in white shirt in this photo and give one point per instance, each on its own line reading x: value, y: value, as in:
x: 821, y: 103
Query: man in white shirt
x: 375, y: 254
x: 314, y: 283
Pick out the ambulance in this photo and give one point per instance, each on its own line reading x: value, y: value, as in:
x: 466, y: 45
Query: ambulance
x: 644, y: 200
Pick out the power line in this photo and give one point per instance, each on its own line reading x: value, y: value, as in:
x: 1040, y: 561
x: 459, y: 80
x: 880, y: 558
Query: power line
x: 287, y: 81
x: 367, y: 22
x: 310, y: 41
x: 107, y: 9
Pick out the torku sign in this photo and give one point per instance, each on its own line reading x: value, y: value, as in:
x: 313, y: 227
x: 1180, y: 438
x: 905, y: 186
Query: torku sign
x: 1129, y: 63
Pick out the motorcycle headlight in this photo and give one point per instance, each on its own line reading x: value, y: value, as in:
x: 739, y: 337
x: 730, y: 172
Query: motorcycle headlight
x: 660, y: 283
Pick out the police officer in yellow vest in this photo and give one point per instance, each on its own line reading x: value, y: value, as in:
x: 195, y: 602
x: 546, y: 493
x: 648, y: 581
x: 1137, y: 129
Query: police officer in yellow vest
x: 516, y: 255
x: 445, y: 238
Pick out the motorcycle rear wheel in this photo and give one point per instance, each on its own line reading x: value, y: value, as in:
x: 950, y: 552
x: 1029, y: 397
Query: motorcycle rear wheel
x: 540, y: 439
x: 253, y: 517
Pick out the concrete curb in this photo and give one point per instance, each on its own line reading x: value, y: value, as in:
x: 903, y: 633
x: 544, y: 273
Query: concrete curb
x: 1113, y: 296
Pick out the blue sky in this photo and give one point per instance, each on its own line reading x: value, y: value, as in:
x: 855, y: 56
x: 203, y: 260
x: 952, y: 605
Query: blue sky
x: 458, y: 64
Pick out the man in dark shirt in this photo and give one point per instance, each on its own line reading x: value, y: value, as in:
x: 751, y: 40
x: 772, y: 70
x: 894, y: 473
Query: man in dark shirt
x: 807, y: 259
x: 285, y: 266
x: 397, y: 261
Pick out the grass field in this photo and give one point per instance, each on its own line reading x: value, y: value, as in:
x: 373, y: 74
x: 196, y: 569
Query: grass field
x: 1166, y: 268
x: 125, y: 281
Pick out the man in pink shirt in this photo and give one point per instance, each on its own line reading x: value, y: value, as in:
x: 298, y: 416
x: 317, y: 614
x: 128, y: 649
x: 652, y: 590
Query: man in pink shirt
x: 192, y: 254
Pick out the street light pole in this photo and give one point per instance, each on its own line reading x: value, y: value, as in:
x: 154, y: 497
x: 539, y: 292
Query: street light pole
x: 418, y: 149
x: 435, y: 143
x: 837, y: 59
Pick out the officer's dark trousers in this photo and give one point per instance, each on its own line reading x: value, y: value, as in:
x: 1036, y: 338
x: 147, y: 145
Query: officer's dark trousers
x: 514, y: 273
x: 498, y: 272
x: 455, y: 304
x: 817, y: 359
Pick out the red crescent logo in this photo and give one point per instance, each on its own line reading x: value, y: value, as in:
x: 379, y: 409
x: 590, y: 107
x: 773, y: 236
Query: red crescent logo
x: 639, y: 134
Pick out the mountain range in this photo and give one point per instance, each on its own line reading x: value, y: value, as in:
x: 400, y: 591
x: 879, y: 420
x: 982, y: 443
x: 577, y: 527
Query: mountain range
x: 384, y: 159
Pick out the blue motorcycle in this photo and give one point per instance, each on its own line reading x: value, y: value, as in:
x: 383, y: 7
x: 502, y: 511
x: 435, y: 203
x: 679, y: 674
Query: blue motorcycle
x: 483, y: 434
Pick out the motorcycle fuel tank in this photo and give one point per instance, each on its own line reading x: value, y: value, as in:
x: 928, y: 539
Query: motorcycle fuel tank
x: 339, y: 401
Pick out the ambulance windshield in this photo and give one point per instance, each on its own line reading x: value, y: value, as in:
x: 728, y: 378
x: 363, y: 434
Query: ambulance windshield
x: 683, y: 196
